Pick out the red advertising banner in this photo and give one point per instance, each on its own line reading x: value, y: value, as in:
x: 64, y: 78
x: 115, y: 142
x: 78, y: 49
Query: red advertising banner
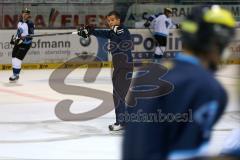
x: 56, y: 15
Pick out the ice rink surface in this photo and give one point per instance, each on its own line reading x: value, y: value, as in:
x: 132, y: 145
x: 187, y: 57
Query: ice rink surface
x: 30, y: 129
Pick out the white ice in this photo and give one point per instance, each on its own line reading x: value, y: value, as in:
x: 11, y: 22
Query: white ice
x: 30, y: 129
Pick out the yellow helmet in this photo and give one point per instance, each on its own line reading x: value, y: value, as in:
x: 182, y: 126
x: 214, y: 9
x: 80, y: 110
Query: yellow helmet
x: 221, y: 16
x: 206, y: 27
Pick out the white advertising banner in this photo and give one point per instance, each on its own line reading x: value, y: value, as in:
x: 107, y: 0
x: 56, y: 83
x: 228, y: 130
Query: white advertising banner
x: 52, y: 49
x: 57, y: 49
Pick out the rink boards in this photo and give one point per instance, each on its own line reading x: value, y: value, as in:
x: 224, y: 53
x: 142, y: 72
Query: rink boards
x: 50, y: 52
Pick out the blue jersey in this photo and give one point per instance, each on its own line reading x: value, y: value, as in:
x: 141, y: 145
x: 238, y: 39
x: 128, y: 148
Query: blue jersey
x: 183, y: 118
x: 120, y: 44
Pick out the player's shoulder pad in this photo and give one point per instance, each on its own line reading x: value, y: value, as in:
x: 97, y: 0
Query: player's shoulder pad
x: 30, y: 22
x: 159, y: 14
x: 124, y: 29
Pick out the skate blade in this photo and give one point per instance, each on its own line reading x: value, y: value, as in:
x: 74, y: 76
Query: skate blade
x: 15, y: 81
x: 111, y: 128
x: 119, y: 132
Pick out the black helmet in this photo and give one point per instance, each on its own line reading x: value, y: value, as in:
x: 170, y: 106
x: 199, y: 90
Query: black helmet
x: 26, y: 10
x: 206, y: 27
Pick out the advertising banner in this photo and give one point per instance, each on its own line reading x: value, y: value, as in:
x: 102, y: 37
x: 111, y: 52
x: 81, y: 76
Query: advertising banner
x: 58, y: 49
x: 137, y: 12
x: 53, y: 49
x: 56, y: 15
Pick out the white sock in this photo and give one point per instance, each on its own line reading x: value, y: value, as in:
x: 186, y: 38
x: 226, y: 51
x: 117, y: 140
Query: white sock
x: 16, y: 66
x: 160, y: 50
x: 16, y: 63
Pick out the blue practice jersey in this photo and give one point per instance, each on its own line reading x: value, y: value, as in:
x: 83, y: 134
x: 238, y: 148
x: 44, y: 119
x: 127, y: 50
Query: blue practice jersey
x: 176, y: 125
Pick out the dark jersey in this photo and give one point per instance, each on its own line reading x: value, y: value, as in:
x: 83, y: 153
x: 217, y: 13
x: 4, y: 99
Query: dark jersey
x: 176, y: 125
x: 120, y: 44
x: 30, y: 27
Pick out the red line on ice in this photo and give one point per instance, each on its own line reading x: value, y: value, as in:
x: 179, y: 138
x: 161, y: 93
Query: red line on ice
x: 27, y: 95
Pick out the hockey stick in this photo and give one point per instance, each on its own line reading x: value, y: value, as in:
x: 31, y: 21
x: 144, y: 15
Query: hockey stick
x: 52, y: 34
x: 18, y: 41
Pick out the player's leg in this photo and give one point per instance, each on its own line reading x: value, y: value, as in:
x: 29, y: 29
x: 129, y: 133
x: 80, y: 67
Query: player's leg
x: 15, y: 76
x: 18, y: 54
x: 120, y: 89
x: 117, y: 125
x: 160, y: 47
x: 116, y: 98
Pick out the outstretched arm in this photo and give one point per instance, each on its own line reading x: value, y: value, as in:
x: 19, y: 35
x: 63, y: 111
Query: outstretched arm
x: 174, y: 25
x: 86, y: 31
x: 104, y: 33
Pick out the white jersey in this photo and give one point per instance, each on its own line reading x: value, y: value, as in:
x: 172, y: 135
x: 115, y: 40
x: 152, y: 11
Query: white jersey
x: 22, y: 29
x: 162, y: 24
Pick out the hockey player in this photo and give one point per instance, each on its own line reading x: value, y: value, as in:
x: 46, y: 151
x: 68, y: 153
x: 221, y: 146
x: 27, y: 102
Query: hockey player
x: 184, y: 117
x: 21, y: 43
x: 161, y: 24
x: 231, y: 145
x: 120, y: 48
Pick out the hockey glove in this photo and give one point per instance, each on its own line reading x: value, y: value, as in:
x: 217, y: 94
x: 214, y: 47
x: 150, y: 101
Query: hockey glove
x: 85, y: 31
x: 12, y: 41
x: 178, y: 26
x: 147, y: 24
x: 118, y: 30
x: 15, y: 41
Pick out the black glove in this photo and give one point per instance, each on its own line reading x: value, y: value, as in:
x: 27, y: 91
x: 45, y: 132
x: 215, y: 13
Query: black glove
x: 178, y: 26
x: 85, y: 31
x: 12, y: 41
x: 15, y: 41
x: 147, y: 24
x: 18, y: 41
x: 117, y: 29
